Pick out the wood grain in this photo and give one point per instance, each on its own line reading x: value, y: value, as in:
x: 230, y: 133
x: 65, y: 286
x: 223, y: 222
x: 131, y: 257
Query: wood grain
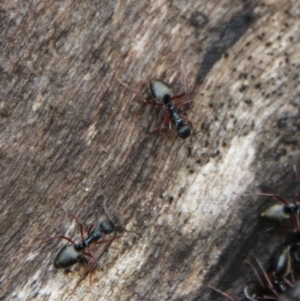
x: 71, y: 135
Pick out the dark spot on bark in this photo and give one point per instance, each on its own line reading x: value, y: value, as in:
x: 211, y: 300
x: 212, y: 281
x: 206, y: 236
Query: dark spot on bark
x: 198, y: 19
x: 183, y: 252
x: 243, y: 88
x: 258, y: 86
x: 192, y: 171
x: 228, y: 34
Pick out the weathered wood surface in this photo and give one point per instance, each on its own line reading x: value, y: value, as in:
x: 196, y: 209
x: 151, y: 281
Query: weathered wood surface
x: 71, y: 135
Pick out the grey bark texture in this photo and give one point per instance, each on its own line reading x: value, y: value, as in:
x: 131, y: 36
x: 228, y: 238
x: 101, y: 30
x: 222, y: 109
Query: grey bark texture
x: 72, y: 136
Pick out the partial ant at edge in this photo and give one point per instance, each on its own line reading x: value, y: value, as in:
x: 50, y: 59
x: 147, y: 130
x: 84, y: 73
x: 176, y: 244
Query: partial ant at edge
x: 285, y: 210
x: 277, y: 280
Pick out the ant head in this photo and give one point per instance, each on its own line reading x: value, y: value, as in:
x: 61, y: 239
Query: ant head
x: 107, y: 227
x: 160, y: 90
x: 184, y: 131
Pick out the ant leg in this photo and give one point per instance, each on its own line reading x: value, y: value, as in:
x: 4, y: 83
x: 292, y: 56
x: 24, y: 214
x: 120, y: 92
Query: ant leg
x: 51, y: 238
x: 267, y: 278
x: 106, y: 240
x: 220, y: 292
x: 296, y: 171
x: 289, y: 283
x: 183, y: 73
x: 182, y: 103
x: 294, y: 219
x: 178, y: 96
x: 106, y: 210
x: 89, y: 230
x: 298, y: 218
x: 278, y: 197
x: 159, y: 129
x: 162, y: 128
x: 187, y: 120
x: 140, y: 96
x: 184, y: 81
x: 76, y: 219
x: 61, y: 237
x: 87, y: 269
x: 85, y: 273
x: 256, y: 274
x: 90, y: 254
x: 184, y: 85
x: 170, y: 123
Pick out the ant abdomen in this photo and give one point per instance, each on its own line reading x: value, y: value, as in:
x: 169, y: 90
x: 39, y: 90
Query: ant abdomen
x: 276, y: 212
x: 283, y: 263
x: 67, y: 256
x: 160, y: 91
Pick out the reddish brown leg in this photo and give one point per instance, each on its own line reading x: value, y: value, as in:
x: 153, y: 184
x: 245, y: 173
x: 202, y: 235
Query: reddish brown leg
x: 268, y: 284
x: 90, y: 229
x: 140, y: 96
x: 178, y: 96
x: 76, y: 219
x: 187, y: 120
x: 162, y: 128
x: 278, y: 197
x: 106, y: 240
x: 51, y: 238
x: 182, y: 103
x: 222, y: 293
x: 296, y: 172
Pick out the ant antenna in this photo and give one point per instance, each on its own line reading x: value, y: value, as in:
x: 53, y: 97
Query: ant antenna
x: 111, y: 219
x: 194, y: 134
x: 220, y: 292
x: 297, y: 173
x: 106, y: 210
x: 183, y: 73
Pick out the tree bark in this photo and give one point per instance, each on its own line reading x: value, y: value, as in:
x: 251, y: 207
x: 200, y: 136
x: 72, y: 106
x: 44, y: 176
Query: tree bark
x: 73, y: 136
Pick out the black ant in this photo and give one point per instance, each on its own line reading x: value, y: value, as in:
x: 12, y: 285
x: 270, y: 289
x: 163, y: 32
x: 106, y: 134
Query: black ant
x: 277, y: 280
x: 74, y: 252
x: 71, y: 254
x: 284, y: 210
x: 283, y: 268
x: 163, y: 94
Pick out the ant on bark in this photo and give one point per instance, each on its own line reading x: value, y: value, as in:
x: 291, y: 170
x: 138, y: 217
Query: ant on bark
x: 74, y: 252
x: 276, y: 281
x: 163, y: 96
x: 284, y: 211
